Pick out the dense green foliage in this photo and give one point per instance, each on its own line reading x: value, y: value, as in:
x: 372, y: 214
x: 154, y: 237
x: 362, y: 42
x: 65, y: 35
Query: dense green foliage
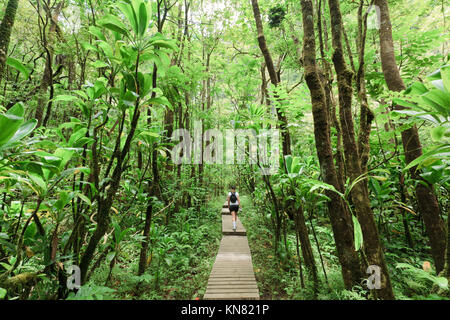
x: 93, y: 90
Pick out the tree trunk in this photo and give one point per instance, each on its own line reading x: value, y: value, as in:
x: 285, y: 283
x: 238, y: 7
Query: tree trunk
x: 360, y: 196
x: 327, y: 80
x: 305, y: 243
x: 47, y: 77
x: 366, y: 115
x: 428, y: 204
x: 340, y: 218
x: 273, y: 76
x: 5, y: 32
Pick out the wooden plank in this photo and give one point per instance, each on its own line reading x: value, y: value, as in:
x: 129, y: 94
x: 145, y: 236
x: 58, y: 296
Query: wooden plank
x: 231, y: 286
x: 231, y: 296
x: 233, y: 278
x: 232, y: 290
x: 232, y: 275
x: 227, y: 226
x: 231, y: 281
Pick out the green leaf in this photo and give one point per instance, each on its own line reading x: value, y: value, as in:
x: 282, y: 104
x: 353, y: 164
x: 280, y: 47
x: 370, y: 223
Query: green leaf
x: 438, y: 151
x: 38, y: 180
x: 159, y: 100
x: 164, y: 44
x: 445, y: 73
x: 16, y: 64
x: 2, y: 293
x: 65, y: 98
x: 106, y: 49
x: 143, y: 18
x: 288, y: 160
x: 88, y: 46
x: 84, y: 198
x: 357, y: 233
x: 417, y: 88
x: 99, y: 64
x: 441, y: 282
x: 97, y: 32
x: 437, y: 133
x: 403, y: 103
x: 10, y: 123
x: 439, y: 100
x: 110, y: 256
x: 127, y: 10
x: 24, y: 130
x: 113, y: 23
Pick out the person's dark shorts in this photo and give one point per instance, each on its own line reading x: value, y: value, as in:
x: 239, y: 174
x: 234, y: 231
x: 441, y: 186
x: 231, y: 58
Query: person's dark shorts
x: 234, y: 208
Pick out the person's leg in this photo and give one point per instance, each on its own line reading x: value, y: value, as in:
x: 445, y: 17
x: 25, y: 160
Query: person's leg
x: 233, y: 219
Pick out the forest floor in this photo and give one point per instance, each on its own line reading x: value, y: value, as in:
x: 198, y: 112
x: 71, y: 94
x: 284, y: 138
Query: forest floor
x: 184, y: 251
x: 179, y: 264
x: 280, y: 278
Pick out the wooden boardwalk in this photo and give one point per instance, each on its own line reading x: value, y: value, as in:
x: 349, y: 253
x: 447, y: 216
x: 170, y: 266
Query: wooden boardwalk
x: 232, y: 275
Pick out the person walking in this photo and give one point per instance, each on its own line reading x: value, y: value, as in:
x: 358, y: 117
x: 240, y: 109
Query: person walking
x: 234, y: 203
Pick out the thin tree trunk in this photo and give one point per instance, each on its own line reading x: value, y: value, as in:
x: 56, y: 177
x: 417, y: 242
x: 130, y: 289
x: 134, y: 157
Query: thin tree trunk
x: 427, y: 201
x: 366, y: 115
x: 340, y: 218
x: 47, y: 77
x: 5, y: 32
x: 360, y: 196
x: 273, y: 76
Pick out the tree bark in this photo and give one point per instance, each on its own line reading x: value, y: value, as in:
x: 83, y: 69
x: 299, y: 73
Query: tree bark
x: 5, y: 32
x: 427, y: 201
x: 360, y: 196
x: 366, y: 115
x: 274, y: 79
x: 339, y: 215
x: 47, y: 77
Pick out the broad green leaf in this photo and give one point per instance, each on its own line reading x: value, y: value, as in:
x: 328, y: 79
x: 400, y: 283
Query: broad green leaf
x: 97, y: 32
x: 113, y: 23
x: 10, y: 123
x: 24, y: 130
x: 127, y: 10
x: 88, y: 46
x: 164, y: 44
x: 437, y: 133
x: 403, y: 103
x: 143, y: 18
x: 38, y: 180
x: 16, y: 64
x: 106, y: 49
x: 110, y: 256
x: 441, y: 282
x: 439, y: 100
x: 99, y: 64
x: 417, y: 88
x: 288, y: 160
x: 357, y: 233
x: 2, y: 293
x: 84, y: 198
x: 65, y: 98
x: 441, y: 150
x: 445, y: 73
x: 160, y: 101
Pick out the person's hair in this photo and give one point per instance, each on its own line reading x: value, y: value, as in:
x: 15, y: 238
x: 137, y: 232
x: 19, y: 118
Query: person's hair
x: 233, y: 187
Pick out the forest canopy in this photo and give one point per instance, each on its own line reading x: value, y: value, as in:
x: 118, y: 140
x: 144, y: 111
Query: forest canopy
x: 123, y: 125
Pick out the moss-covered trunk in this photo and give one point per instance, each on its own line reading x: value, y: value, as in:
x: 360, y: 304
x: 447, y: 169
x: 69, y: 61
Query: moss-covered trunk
x: 426, y: 199
x: 373, y: 248
x: 340, y: 218
x: 5, y: 32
